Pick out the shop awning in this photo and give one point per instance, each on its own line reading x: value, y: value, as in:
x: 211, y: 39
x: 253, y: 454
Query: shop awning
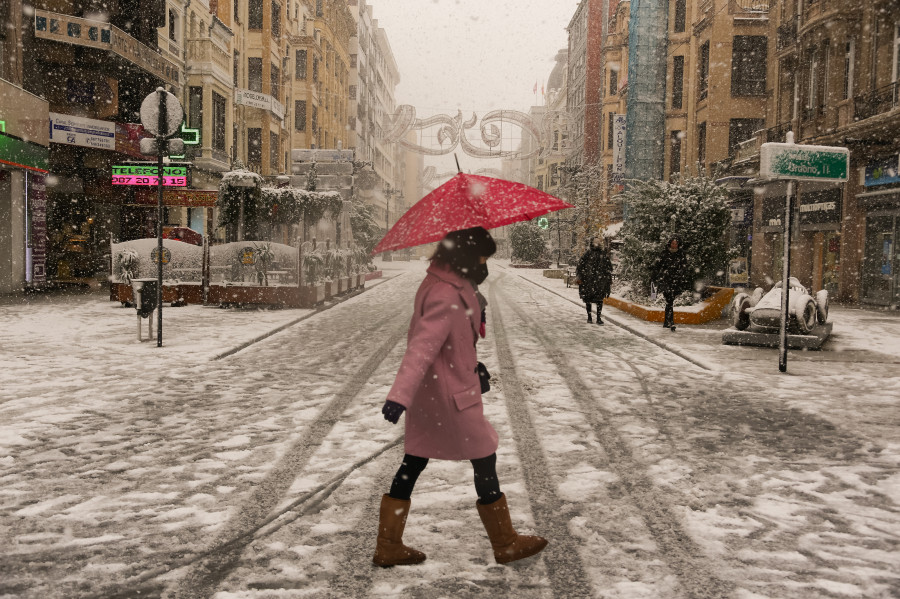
x: 24, y: 154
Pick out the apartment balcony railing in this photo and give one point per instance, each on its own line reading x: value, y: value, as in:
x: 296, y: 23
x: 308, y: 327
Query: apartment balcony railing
x: 103, y: 36
x: 748, y: 149
x: 749, y: 7
x: 884, y: 99
x: 778, y: 133
x: 787, y: 34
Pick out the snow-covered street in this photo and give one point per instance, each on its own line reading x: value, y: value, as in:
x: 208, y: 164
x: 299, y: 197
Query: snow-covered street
x: 234, y: 463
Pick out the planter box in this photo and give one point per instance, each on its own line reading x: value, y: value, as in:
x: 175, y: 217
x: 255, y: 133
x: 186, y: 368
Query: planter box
x: 361, y: 280
x: 331, y: 289
x: 311, y: 295
x: 708, y: 310
x: 343, y: 284
x: 375, y: 274
x: 246, y: 295
x: 182, y: 293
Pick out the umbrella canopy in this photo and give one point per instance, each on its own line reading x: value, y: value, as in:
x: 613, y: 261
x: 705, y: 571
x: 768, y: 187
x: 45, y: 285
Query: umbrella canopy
x: 467, y: 201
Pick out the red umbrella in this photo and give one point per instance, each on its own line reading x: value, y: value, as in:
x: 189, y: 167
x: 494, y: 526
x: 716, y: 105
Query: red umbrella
x: 467, y: 201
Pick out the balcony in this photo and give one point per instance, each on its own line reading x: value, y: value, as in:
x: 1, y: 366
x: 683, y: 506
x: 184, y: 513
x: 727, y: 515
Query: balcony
x: 103, y: 36
x: 749, y: 8
x: 778, y: 133
x: 787, y: 34
x: 879, y: 101
x: 749, y: 149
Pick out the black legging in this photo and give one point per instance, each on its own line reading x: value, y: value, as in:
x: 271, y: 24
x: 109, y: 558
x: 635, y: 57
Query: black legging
x: 599, y: 307
x: 669, y: 317
x: 487, y: 485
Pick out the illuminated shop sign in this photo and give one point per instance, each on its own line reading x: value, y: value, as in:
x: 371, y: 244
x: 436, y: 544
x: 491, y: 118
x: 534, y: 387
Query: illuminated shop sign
x: 174, y: 175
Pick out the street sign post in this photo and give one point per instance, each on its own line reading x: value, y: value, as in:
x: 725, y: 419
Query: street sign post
x: 161, y: 115
x: 793, y: 162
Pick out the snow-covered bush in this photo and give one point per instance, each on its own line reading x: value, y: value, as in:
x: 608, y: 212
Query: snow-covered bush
x: 693, y: 209
x: 314, y: 268
x: 126, y: 265
x: 528, y: 243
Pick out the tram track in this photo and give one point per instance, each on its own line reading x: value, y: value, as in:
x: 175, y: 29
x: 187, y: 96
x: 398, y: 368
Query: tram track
x: 683, y: 557
x: 389, y: 329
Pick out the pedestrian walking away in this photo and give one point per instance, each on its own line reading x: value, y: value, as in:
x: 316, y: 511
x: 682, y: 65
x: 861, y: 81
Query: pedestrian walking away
x: 670, y: 275
x: 594, y: 276
x: 439, y: 388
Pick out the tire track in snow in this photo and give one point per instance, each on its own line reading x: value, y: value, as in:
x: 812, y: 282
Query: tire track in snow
x: 202, y: 580
x: 564, y: 566
x: 683, y: 557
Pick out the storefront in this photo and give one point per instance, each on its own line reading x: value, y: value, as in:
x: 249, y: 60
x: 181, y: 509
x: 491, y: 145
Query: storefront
x: 881, y: 257
x: 24, y: 159
x: 740, y: 236
x: 820, y: 232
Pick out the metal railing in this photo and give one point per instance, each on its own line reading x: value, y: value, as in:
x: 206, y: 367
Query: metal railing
x: 778, y: 133
x: 749, y: 6
x: 878, y: 101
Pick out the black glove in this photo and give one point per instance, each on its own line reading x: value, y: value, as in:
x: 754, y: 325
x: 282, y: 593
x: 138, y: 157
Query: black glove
x: 484, y: 377
x: 392, y: 411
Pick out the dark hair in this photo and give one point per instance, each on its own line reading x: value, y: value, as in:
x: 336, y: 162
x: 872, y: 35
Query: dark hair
x: 461, y: 250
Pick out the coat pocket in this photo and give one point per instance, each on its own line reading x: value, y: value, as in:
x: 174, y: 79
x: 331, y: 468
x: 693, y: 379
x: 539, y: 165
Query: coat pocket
x: 468, y: 397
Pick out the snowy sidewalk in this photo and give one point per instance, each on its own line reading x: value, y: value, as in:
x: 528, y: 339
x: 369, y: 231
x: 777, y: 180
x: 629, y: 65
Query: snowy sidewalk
x: 860, y: 336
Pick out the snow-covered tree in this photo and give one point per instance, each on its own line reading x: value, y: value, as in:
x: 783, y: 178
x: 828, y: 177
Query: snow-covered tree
x: 528, y: 242
x: 694, y: 209
x: 583, y: 187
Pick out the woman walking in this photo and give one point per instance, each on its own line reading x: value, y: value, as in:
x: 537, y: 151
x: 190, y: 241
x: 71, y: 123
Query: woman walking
x: 594, y: 276
x: 438, y: 386
x: 670, y: 275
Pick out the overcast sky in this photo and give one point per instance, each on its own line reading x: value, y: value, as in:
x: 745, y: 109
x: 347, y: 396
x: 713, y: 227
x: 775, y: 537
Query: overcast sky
x: 473, y: 55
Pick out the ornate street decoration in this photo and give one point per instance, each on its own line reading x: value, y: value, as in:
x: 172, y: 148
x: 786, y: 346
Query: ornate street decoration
x: 451, y: 132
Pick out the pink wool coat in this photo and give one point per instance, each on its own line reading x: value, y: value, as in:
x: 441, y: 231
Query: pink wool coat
x: 437, y: 381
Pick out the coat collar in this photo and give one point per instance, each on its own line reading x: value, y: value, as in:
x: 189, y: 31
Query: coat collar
x: 466, y: 288
x: 448, y: 275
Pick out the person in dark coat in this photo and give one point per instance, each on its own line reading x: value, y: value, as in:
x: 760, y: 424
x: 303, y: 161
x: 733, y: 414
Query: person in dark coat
x: 439, y: 389
x: 594, y: 276
x: 670, y: 275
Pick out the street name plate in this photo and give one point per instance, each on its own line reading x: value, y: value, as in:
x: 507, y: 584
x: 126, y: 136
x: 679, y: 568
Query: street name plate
x: 805, y: 163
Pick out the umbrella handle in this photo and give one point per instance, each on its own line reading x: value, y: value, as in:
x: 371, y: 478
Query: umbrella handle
x: 459, y: 170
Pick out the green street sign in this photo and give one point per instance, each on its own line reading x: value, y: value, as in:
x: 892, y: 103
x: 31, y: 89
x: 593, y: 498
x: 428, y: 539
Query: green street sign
x: 804, y: 163
x: 543, y: 222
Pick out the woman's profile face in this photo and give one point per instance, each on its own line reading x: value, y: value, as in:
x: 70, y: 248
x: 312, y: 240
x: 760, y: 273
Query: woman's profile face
x: 674, y: 245
x: 482, y: 260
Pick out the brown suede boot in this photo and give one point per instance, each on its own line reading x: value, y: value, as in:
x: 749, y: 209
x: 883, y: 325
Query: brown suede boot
x: 389, y: 549
x: 508, y: 545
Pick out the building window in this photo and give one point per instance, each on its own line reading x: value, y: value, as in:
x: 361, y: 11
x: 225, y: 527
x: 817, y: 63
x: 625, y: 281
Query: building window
x: 677, y: 81
x: 254, y: 146
x: 274, y: 152
x: 701, y: 144
x: 610, y: 127
x: 218, y: 134
x: 254, y: 74
x: 237, y: 62
x: 740, y: 130
x: 353, y: 61
x: 173, y: 25
x: 300, y: 66
x: 314, y: 125
x: 237, y: 11
x: 613, y: 82
x: 315, y: 74
x: 812, y: 86
x: 849, y: 67
x: 703, y: 75
x: 319, y: 8
x: 300, y: 115
x: 276, y: 20
x: 680, y: 16
x: 352, y: 92
x: 674, y: 154
x: 195, y: 108
x: 748, y: 65
x: 255, y: 14
x: 275, y: 82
